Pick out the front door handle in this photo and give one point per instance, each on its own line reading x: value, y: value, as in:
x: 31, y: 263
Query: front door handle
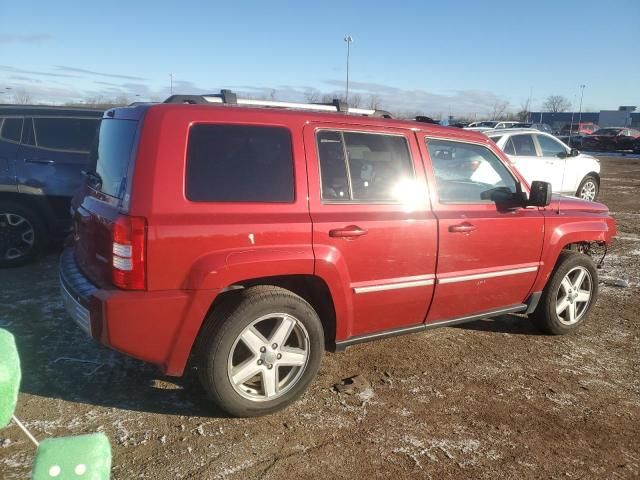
x: 352, y: 231
x: 465, y: 227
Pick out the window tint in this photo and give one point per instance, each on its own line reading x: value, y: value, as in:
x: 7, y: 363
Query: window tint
x: 378, y: 166
x: 238, y: 163
x: 550, y: 147
x: 467, y: 173
x: 496, y: 139
x: 11, y: 129
x: 524, y: 146
x: 111, y: 156
x: 74, y: 134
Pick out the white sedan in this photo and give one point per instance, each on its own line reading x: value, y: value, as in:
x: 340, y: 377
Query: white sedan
x: 541, y: 156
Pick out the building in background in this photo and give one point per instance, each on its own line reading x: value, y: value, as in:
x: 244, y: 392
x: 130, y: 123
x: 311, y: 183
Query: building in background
x: 625, y: 116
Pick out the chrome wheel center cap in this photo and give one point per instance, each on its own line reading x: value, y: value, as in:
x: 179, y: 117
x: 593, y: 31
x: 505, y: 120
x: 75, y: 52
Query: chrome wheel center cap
x: 268, y: 357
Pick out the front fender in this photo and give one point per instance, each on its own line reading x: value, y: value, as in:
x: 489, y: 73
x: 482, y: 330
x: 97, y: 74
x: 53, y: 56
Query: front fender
x: 562, y: 232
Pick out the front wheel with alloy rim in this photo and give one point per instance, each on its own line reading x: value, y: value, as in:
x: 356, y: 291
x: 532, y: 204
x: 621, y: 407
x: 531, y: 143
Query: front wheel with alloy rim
x: 21, y: 234
x: 588, y: 189
x: 259, y: 351
x: 569, y: 295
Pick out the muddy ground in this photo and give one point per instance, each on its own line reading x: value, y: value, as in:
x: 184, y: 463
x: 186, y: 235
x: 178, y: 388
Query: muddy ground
x: 491, y: 399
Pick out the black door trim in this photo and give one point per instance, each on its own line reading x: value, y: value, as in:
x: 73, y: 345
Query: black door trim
x: 343, y: 344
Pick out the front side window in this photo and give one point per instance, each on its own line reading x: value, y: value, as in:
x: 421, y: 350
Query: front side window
x: 467, y: 173
x: 11, y: 129
x: 239, y: 163
x: 550, y: 147
x: 70, y: 134
x: 364, y: 167
x: 523, y: 145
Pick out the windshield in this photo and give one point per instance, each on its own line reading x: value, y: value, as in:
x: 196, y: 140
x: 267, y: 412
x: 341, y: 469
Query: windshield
x: 112, y: 154
x: 486, y: 124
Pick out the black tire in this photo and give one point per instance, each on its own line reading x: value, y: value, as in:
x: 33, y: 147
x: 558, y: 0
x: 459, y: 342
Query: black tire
x: 586, y: 181
x: 11, y: 236
x: 545, y: 316
x: 220, y: 335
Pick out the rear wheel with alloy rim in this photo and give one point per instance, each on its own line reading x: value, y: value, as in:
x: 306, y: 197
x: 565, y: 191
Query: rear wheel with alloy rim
x: 258, y: 352
x: 569, y: 295
x: 21, y: 234
x: 588, y: 189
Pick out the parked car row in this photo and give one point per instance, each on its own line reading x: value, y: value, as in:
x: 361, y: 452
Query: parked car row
x: 42, y: 153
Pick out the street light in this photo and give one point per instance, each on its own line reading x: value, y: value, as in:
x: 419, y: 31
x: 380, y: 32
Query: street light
x: 580, y: 112
x: 349, y: 40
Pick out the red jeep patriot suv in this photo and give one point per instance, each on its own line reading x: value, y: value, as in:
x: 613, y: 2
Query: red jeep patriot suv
x: 249, y: 236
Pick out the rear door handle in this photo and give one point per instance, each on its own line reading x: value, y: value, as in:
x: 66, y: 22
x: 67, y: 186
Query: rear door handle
x: 40, y: 161
x: 465, y: 227
x: 352, y: 231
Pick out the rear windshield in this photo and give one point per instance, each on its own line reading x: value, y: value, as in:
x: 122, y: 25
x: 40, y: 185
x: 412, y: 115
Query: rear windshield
x: 112, y: 154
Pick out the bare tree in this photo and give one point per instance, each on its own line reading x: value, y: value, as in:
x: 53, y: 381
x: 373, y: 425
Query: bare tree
x: 556, y: 103
x: 525, y: 109
x: 312, y: 95
x: 122, y: 100
x: 499, y: 109
x: 374, y: 101
x: 355, y: 100
x: 21, y: 97
x: 273, y: 93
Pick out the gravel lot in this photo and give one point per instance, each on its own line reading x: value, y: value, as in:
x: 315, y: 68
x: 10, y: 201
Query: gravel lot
x: 491, y: 399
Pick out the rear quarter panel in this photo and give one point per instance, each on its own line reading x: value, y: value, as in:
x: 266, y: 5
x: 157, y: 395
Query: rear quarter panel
x: 206, y: 245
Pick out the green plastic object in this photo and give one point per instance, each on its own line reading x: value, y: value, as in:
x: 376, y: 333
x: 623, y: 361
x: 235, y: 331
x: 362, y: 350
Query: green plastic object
x: 9, y: 377
x: 84, y: 457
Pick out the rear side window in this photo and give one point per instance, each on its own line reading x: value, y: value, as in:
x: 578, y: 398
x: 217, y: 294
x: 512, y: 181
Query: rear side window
x: 112, y: 154
x: 239, y: 163
x: 376, y: 169
x: 524, y: 146
x: 11, y: 129
x: 70, y: 134
x: 509, y: 149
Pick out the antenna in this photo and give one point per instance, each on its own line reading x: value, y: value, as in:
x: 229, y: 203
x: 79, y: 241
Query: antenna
x: 564, y: 169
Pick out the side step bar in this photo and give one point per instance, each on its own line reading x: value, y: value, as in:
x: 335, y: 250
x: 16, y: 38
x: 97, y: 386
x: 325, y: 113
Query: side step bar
x: 342, y: 345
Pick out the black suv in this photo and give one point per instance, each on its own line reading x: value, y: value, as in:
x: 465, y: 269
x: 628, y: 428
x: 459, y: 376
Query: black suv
x: 43, y: 151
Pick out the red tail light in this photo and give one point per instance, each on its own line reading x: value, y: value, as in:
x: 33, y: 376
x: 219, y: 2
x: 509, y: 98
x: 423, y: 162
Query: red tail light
x: 128, y: 254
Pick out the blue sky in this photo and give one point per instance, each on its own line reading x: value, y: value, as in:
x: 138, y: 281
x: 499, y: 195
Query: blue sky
x: 436, y: 57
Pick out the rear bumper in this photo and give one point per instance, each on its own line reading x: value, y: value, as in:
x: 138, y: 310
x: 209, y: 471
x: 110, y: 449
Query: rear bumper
x: 157, y: 327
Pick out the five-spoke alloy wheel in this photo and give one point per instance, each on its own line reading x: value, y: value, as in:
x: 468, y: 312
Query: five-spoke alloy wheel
x: 569, y: 294
x: 574, y: 295
x: 262, y: 368
x: 259, y: 350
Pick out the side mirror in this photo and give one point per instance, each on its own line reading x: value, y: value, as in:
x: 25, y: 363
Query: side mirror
x: 540, y: 194
x: 574, y: 152
x: 563, y: 154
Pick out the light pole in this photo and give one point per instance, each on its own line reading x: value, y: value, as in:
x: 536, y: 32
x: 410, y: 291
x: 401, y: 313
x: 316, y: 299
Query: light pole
x: 580, y: 110
x: 349, y: 40
x: 171, y: 83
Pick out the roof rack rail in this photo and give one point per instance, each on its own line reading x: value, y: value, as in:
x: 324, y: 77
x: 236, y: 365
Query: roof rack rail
x: 227, y: 97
